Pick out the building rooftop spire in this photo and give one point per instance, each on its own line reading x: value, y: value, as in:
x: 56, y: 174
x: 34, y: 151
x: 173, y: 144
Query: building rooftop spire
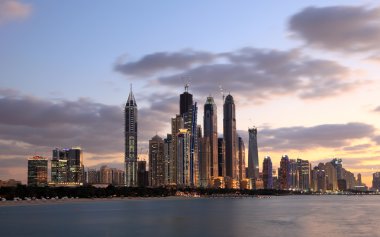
x: 131, y: 98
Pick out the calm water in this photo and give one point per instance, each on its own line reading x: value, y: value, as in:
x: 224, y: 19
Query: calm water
x: 277, y: 216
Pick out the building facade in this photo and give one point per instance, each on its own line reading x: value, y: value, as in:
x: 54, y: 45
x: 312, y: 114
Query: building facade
x: 130, y: 145
x: 230, y: 137
x: 37, y: 171
x: 253, y: 155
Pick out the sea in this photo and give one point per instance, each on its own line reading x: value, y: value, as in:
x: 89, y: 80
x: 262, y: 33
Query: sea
x: 280, y: 216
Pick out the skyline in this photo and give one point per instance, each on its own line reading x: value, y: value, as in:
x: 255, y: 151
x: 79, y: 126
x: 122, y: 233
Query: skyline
x: 60, y: 74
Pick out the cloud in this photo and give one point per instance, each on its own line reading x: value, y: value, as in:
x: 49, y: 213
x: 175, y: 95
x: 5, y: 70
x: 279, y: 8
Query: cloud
x: 376, y: 139
x: 377, y: 109
x: 357, y: 148
x: 257, y: 74
x: 160, y: 61
x: 338, y: 28
x: 331, y: 136
x: 33, y: 125
x: 11, y: 10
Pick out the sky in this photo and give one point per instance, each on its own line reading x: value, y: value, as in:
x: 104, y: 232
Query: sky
x: 305, y: 73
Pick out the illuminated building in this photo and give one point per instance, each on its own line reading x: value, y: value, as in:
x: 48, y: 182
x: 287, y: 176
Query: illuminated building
x: 230, y: 138
x: 284, y: 173
x: 303, y: 167
x: 37, y: 171
x: 221, y: 158
x: 183, y: 158
x: 168, y: 161
x: 156, y: 162
x: 376, y: 181
x: 67, y: 166
x: 211, y: 133
x: 267, y: 173
x: 293, y: 174
x: 241, y: 159
x: 177, y: 124
x: 130, y: 132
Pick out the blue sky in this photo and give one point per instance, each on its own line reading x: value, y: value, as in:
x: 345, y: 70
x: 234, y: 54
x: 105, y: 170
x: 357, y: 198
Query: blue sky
x: 57, y: 55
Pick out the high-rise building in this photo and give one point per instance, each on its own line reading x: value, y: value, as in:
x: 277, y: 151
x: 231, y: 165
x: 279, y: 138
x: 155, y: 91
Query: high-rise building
x: 185, y: 101
x: 67, y: 166
x: 319, y: 178
x: 267, y: 173
x: 359, y: 180
x: 130, y: 159
x: 168, y: 161
x: 142, y: 174
x: 253, y: 155
x: 337, y: 163
x: 177, y: 124
x: 205, y: 159
x: 156, y: 162
x: 331, y: 177
x: 37, y: 171
x: 376, y: 181
x: 230, y: 137
x: 241, y: 159
x: 183, y: 158
x: 293, y: 174
x: 303, y: 167
x: 283, y: 173
x: 210, y: 128
x: 189, y: 112
x: 221, y: 157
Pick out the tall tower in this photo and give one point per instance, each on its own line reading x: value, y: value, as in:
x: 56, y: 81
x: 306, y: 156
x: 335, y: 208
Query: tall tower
x: 130, y: 115
x: 156, y: 162
x: 230, y: 137
x: 267, y: 173
x: 185, y: 101
x: 241, y: 159
x: 253, y: 155
x: 210, y: 126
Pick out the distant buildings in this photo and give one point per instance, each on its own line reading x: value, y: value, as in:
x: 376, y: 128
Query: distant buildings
x: 130, y: 132
x: 106, y: 176
x: 37, y: 171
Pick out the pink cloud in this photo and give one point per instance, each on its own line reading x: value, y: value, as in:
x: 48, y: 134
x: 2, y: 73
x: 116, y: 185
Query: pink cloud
x: 12, y: 10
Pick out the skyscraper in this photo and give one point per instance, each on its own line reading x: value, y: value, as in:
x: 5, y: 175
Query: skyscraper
x: 267, y: 173
x: 303, y: 174
x: 168, y: 160
x: 130, y: 159
x: 241, y: 159
x: 37, y: 171
x: 177, y: 124
x: 142, y: 180
x: 185, y: 101
x: 183, y: 158
x: 156, y: 161
x: 230, y: 137
x: 283, y: 173
x: 221, y: 157
x: 293, y: 174
x: 189, y: 112
x: 253, y: 155
x: 376, y: 181
x: 210, y: 127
